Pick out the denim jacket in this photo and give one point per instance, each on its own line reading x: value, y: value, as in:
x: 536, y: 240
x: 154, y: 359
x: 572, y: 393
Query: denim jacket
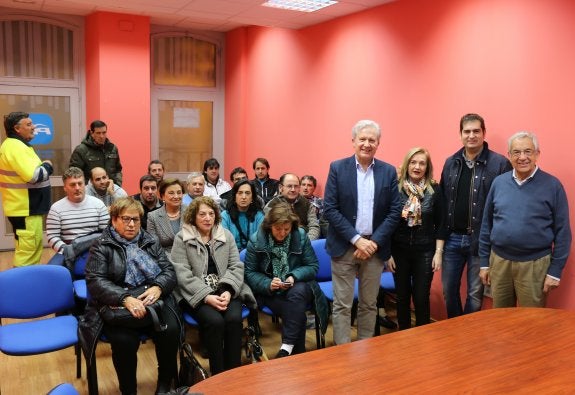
x: 488, y: 165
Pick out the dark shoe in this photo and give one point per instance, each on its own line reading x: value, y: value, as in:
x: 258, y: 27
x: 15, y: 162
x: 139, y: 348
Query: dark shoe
x: 282, y: 353
x: 386, y: 322
x: 163, y: 388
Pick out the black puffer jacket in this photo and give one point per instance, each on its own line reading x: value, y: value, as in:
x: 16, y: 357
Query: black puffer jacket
x: 88, y: 155
x: 105, y: 273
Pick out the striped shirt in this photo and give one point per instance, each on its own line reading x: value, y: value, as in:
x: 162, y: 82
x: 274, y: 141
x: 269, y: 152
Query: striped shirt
x: 67, y: 220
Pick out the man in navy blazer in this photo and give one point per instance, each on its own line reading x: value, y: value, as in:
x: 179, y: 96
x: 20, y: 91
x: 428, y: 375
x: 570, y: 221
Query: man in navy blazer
x: 362, y: 206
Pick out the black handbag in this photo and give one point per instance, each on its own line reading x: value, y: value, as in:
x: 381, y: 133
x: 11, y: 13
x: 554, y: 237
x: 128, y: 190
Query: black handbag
x: 191, y: 372
x: 121, y: 316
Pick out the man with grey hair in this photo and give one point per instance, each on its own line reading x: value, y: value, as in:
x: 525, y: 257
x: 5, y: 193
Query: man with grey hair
x: 196, y: 184
x: 525, y: 234
x: 362, y: 206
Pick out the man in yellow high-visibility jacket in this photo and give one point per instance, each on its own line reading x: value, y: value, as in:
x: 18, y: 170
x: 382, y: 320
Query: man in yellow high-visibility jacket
x: 25, y: 187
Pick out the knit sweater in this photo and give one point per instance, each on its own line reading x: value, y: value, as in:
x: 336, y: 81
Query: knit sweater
x: 526, y: 222
x: 67, y: 220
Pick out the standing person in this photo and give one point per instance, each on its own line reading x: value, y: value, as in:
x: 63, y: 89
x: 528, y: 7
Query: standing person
x: 525, y: 235
x: 465, y: 181
x: 415, y: 251
x: 211, y: 282
x: 265, y: 186
x: 102, y: 187
x: 215, y: 185
x: 244, y: 214
x: 362, y: 206
x: 148, y: 196
x: 25, y: 187
x: 156, y: 169
x: 166, y: 222
x: 127, y: 258
x: 97, y: 151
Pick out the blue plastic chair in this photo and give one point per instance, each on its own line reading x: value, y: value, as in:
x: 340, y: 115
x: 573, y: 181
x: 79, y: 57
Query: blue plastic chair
x: 33, y: 292
x: 64, y: 389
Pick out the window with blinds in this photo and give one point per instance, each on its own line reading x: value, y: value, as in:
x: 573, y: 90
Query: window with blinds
x: 184, y: 61
x: 30, y: 49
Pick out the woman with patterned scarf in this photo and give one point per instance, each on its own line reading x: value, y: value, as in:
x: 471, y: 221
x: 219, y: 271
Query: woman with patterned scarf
x: 415, y: 251
x: 128, y: 269
x: 280, y: 268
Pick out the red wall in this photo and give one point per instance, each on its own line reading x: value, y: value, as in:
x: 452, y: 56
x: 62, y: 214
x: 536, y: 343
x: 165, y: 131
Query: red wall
x: 118, y: 86
x: 415, y: 67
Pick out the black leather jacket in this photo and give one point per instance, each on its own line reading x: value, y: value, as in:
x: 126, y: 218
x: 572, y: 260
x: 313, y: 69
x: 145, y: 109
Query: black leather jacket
x: 105, y: 273
x: 488, y: 165
x: 421, y: 237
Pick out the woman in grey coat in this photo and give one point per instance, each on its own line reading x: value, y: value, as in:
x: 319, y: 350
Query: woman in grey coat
x: 211, y: 282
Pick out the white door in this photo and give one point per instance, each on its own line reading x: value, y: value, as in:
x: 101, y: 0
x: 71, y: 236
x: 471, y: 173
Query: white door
x: 56, y: 113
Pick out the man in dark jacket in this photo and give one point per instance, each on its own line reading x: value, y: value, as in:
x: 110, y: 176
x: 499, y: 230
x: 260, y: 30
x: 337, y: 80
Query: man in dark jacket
x: 465, y: 181
x: 97, y: 151
x: 266, y: 187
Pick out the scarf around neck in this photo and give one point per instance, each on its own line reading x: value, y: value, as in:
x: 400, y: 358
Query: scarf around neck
x: 412, y: 209
x: 279, y: 256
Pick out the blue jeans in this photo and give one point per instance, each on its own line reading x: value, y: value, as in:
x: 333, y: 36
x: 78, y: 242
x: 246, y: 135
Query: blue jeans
x: 457, y: 253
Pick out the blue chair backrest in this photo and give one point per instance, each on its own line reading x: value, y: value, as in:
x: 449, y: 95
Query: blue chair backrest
x: 80, y: 265
x: 243, y: 255
x: 324, y: 272
x: 35, y: 291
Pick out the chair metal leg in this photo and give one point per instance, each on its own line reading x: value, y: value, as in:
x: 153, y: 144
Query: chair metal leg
x: 78, y: 352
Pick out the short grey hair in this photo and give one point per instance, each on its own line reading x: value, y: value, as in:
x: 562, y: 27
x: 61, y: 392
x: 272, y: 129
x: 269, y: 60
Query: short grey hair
x: 72, y: 172
x: 194, y: 174
x: 364, y: 124
x: 523, y: 135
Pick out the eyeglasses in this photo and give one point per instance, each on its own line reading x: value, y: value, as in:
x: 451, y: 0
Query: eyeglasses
x: 295, y: 186
x: 126, y: 220
x: 516, y: 153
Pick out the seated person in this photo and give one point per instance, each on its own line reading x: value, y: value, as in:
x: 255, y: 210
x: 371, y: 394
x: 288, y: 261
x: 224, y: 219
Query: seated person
x: 102, y: 187
x: 195, y: 186
x: 289, y: 187
x: 266, y: 186
x: 211, y: 282
x: 308, y: 185
x: 280, y: 268
x: 238, y: 174
x: 244, y: 215
x: 166, y: 221
x: 74, y: 221
x: 125, y: 257
x: 215, y: 185
x: 148, y: 196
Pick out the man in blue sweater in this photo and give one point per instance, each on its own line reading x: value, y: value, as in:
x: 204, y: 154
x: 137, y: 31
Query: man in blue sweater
x: 525, y: 233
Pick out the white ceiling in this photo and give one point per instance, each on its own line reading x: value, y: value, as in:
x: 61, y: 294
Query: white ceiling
x: 207, y: 15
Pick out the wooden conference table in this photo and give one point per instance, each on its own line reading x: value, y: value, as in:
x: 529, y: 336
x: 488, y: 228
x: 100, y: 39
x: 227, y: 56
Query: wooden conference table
x: 519, y: 350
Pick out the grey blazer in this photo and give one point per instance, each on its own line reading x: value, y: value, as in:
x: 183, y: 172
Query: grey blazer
x: 159, y: 225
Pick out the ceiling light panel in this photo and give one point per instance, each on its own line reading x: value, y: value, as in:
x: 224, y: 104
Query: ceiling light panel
x: 299, y: 5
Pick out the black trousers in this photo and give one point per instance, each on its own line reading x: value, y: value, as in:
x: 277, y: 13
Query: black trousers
x: 413, y: 276
x: 126, y: 341
x: 221, y: 334
x: 291, y: 306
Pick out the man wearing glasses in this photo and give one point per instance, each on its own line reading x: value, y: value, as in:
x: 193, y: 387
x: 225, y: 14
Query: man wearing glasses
x: 525, y: 234
x: 465, y: 181
x: 289, y: 186
x: 74, y: 221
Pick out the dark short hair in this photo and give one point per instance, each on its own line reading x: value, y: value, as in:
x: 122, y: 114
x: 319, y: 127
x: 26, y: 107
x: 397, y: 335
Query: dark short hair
x: 97, y: 124
x: 311, y: 178
x: 148, y: 178
x: 212, y: 162
x: 237, y: 170
x: 72, y: 172
x: 280, y: 213
x: 261, y: 160
x: 155, y: 162
x: 123, y: 204
x: 12, y: 119
x: 282, y: 178
x: 168, y: 182
x: 194, y: 207
x: 471, y: 117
